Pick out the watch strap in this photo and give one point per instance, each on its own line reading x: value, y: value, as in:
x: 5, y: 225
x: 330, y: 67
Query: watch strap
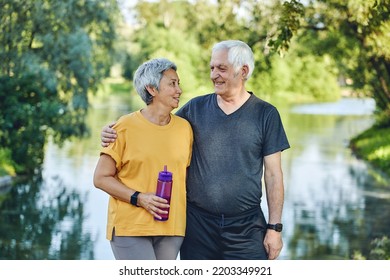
x: 134, y: 199
x: 276, y: 227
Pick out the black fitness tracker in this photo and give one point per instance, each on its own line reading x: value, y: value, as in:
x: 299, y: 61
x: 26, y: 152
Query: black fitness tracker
x: 134, y: 199
x: 275, y: 227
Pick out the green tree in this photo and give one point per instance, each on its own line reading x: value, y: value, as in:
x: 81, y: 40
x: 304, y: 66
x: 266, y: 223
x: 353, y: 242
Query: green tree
x: 185, y: 32
x: 52, y: 54
x: 161, y: 31
x: 354, y: 32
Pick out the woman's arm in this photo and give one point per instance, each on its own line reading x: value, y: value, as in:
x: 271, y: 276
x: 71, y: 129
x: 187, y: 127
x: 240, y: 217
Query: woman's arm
x: 104, y: 179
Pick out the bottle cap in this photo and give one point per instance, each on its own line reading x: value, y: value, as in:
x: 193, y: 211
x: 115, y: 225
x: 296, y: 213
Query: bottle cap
x: 165, y: 175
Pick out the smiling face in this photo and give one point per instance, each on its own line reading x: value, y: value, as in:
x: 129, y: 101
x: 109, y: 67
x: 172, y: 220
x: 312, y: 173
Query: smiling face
x: 169, y: 90
x: 225, y: 79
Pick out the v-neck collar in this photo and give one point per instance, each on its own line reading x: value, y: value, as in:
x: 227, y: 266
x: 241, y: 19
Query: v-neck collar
x: 215, y: 101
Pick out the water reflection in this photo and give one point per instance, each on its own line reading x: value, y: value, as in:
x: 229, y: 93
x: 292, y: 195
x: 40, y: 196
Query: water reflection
x: 43, y: 219
x: 334, y: 205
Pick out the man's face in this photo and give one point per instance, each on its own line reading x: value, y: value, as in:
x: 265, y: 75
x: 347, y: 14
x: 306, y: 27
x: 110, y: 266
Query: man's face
x: 222, y: 74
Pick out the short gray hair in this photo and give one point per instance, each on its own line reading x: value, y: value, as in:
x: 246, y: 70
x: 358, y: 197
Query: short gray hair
x: 150, y: 74
x: 239, y: 54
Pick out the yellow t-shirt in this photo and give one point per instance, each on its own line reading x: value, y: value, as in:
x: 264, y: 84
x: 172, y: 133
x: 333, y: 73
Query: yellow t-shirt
x: 140, y: 151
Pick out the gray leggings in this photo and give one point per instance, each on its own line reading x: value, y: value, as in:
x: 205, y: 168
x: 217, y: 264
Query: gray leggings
x: 146, y: 247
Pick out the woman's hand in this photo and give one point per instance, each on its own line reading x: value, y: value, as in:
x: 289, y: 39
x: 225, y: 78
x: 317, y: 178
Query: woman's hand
x: 153, y: 204
x: 108, y: 135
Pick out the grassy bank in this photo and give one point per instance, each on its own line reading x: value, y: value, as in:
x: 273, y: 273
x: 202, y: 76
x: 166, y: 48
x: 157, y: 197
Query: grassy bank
x: 373, y: 145
x: 6, y: 168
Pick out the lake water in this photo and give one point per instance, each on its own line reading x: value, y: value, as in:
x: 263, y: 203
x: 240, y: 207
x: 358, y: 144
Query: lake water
x: 335, y: 204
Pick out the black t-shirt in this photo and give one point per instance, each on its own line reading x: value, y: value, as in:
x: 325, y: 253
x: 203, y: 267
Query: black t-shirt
x: 227, y: 161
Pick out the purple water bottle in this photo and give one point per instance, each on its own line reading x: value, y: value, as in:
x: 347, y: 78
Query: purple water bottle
x: 164, y: 189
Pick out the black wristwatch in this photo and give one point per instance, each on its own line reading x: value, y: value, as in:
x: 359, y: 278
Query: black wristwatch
x: 275, y: 227
x: 134, y: 199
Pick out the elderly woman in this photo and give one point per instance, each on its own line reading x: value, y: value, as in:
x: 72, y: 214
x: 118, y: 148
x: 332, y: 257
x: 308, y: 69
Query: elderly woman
x: 147, y: 140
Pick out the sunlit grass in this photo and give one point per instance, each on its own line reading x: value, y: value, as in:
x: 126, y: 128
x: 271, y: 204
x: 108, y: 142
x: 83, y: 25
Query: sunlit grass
x: 5, y: 166
x: 374, y: 145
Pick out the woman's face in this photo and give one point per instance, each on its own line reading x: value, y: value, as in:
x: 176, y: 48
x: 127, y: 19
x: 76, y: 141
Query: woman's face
x: 169, y: 90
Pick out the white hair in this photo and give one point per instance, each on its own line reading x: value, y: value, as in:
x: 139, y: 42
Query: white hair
x: 239, y: 54
x: 150, y: 74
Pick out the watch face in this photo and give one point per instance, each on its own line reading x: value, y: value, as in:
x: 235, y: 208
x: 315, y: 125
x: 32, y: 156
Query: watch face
x: 279, y: 227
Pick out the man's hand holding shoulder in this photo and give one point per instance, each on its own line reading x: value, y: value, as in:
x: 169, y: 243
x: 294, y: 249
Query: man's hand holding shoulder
x: 108, y: 135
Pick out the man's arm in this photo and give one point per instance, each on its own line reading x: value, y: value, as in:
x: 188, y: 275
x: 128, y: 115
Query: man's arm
x: 273, y: 179
x: 108, y: 135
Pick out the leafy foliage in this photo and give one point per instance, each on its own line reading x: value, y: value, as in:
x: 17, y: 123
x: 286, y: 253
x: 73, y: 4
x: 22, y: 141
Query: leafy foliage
x: 52, y: 53
x: 380, y: 250
x: 354, y: 33
x: 289, y: 24
x: 373, y: 144
x: 185, y: 32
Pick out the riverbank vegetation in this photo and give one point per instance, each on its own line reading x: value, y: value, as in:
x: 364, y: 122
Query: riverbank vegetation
x: 355, y: 35
x: 52, y: 54
x: 6, y: 167
x: 373, y: 145
x: 380, y: 250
